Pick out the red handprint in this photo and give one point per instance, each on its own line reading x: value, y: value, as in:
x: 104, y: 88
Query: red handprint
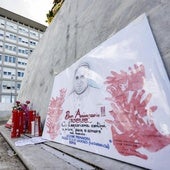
x: 136, y: 77
x: 54, y: 113
x: 130, y: 129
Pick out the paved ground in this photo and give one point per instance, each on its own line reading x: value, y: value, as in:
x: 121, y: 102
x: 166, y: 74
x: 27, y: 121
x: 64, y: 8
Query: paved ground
x: 8, y: 159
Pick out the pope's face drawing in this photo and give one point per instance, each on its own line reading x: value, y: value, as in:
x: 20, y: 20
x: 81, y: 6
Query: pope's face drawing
x: 81, y: 80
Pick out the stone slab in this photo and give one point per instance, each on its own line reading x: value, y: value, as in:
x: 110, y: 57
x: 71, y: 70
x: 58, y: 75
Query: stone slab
x: 51, y: 155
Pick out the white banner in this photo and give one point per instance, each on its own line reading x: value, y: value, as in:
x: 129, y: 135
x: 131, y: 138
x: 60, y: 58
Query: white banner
x: 115, y: 101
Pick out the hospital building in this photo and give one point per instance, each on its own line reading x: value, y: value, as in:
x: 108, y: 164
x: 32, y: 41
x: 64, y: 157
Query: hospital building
x: 18, y: 39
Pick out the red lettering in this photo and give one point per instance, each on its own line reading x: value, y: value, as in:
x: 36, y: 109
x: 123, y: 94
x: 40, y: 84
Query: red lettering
x: 78, y: 114
x: 68, y: 116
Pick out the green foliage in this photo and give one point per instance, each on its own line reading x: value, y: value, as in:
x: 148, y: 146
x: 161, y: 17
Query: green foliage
x: 54, y: 10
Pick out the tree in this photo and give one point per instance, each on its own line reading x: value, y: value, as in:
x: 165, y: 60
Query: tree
x: 54, y: 10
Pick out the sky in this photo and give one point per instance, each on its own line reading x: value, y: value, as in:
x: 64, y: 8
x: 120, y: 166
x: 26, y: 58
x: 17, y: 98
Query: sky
x: 33, y: 9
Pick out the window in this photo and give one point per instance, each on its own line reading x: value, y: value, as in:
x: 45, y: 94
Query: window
x: 11, y: 26
x: 1, y: 34
x: 23, y: 50
x: 23, y: 40
x: 18, y: 86
x: 11, y: 36
x: 20, y: 74
x: 8, y: 72
x: 1, y: 44
x: 6, y: 58
x: 22, y: 62
x: 23, y: 30
x: 20, y: 39
x: 6, y: 84
x: 7, y: 99
x: 33, y: 34
x: 10, y: 47
x: 33, y: 43
x: 10, y: 59
x: 2, y: 23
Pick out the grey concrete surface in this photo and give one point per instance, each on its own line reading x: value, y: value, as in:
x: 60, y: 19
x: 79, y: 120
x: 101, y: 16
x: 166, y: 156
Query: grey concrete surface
x: 60, y: 157
x: 33, y: 156
x: 8, y: 158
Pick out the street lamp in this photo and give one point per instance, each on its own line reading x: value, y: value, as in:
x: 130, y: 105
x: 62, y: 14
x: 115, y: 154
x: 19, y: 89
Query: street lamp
x: 0, y: 84
x: 12, y: 78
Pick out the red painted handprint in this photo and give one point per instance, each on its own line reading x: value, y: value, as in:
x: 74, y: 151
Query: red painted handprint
x: 130, y: 129
x: 54, y: 113
x: 136, y: 77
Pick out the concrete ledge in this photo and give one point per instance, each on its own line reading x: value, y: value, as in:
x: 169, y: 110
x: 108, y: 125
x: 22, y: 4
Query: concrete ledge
x: 50, y: 155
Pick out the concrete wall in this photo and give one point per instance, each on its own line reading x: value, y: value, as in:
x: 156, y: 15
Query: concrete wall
x: 80, y: 26
x: 5, y: 111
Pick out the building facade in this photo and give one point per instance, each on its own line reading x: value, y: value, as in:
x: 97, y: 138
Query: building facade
x: 18, y: 38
